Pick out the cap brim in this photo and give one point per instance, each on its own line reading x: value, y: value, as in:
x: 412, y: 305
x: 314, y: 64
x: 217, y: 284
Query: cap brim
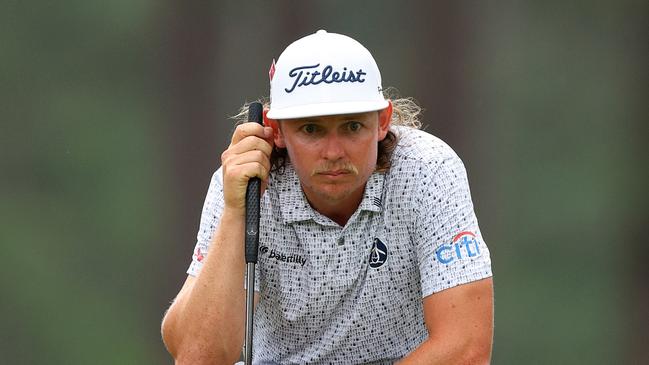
x: 322, y: 109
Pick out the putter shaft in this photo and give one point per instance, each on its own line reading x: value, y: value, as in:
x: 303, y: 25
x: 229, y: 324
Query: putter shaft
x: 250, y: 303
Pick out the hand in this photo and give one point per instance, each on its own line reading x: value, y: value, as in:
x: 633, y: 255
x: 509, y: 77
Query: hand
x: 247, y: 156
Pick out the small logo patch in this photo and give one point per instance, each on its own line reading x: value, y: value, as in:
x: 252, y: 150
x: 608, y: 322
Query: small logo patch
x: 271, y: 71
x: 199, y: 255
x: 281, y: 257
x: 378, y: 254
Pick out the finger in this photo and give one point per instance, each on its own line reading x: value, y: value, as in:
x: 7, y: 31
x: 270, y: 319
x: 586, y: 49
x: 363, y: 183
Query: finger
x: 240, y: 174
x: 251, y: 129
x: 251, y: 143
x: 236, y: 161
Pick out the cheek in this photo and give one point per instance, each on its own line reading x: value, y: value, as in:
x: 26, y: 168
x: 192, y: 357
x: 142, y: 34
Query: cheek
x: 363, y: 156
x: 301, y: 159
x: 366, y: 150
x: 371, y: 154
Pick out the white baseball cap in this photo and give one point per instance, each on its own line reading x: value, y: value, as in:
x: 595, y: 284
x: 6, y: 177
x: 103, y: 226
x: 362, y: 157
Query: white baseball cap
x: 324, y: 74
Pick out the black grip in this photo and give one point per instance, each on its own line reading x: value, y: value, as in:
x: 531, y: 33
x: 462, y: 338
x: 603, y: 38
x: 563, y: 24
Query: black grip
x: 253, y: 194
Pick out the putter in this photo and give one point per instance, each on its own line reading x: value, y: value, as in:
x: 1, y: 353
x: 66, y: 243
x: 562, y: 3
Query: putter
x: 253, y: 194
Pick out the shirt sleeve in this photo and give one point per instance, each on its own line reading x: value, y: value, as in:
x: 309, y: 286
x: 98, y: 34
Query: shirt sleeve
x: 450, y: 247
x: 210, y: 217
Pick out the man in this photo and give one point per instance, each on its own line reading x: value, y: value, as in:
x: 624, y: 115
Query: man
x: 370, y: 251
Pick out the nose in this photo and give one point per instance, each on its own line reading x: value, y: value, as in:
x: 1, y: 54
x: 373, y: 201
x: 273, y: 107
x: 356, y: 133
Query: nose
x: 333, y: 148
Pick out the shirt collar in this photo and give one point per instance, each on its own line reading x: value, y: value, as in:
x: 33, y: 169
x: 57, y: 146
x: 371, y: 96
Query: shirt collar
x: 296, y: 208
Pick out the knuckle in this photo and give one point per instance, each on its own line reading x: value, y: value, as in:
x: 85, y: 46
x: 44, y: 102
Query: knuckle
x: 224, y: 156
x: 263, y: 171
x: 259, y: 171
x: 267, y: 148
x: 261, y: 155
x: 240, y: 132
x: 248, y: 128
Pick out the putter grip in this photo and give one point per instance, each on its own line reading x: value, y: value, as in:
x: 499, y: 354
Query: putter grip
x: 253, y: 194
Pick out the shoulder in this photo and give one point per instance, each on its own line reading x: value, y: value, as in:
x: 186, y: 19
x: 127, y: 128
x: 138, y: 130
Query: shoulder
x: 422, y: 151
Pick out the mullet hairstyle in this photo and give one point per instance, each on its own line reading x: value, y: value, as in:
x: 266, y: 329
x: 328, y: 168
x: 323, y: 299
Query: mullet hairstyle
x: 405, y: 112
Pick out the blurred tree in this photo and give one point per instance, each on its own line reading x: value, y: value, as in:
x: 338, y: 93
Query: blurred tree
x: 78, y: 187
x: 442, y: 43
x: 188, y: 54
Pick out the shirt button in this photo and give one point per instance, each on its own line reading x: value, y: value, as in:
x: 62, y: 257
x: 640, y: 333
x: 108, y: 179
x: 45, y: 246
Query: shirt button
x: 341, y: 240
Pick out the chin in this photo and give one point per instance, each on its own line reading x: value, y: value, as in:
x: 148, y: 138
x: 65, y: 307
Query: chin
x: 335, y: 193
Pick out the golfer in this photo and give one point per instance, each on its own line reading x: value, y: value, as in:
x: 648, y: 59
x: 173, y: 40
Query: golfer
x: 369, y: 247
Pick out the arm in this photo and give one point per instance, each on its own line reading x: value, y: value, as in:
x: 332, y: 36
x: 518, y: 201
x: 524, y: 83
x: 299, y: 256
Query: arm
x: 204, y: 324
x: 460, y: 326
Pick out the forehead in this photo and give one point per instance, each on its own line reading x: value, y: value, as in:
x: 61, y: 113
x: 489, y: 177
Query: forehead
x: 335, y: 118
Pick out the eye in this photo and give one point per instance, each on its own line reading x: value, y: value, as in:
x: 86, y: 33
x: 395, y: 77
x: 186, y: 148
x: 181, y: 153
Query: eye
x: 354, y: 126
x: 310, y: 128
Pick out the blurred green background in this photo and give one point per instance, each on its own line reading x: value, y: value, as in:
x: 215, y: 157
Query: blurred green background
x: 114, y: 114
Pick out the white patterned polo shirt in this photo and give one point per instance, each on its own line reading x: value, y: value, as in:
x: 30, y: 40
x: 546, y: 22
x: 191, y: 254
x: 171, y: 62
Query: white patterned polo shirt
x: 353, y: 294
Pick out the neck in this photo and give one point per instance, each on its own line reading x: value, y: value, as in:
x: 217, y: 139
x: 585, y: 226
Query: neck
x: 338, y: 215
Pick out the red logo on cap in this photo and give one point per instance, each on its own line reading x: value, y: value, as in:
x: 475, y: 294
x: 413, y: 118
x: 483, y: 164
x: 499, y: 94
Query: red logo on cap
x: 271, y: 71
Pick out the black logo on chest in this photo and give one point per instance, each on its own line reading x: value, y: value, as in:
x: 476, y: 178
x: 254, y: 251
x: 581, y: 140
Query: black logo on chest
x: 378, y: 254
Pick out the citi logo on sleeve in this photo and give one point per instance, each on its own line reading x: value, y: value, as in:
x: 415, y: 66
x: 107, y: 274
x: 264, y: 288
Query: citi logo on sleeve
x: 465, y: 244
x: 378, y: 254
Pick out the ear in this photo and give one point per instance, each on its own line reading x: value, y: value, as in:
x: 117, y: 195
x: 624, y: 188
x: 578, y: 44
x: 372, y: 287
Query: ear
x: 385, y: 118
x: 278, y: 139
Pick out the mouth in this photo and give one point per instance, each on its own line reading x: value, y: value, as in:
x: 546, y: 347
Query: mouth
x: 334, y: 173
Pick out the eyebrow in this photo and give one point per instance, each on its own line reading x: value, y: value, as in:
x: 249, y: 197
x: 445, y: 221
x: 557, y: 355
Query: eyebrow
x: 336, y: 117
